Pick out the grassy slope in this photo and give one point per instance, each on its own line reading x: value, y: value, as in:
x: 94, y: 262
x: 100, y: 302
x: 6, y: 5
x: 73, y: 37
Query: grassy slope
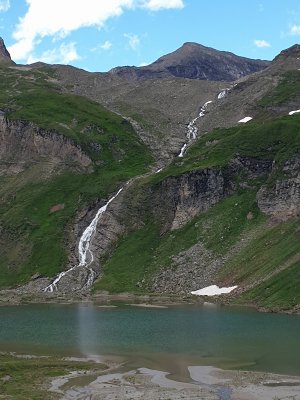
x: 287, y: 90
x: 26, y: 199
x: 226, y: 223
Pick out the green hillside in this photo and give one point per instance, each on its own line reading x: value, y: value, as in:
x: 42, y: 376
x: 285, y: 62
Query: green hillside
x: 221, y: 229
x: 33, y: 239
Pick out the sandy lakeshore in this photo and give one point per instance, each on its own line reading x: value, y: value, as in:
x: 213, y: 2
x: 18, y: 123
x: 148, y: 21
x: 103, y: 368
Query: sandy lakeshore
x: 206, y: 383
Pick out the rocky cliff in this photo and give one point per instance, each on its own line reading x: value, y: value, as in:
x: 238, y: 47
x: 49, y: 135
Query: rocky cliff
x: 23, y: 144
x: 5, y: 58
x: 281, y: 200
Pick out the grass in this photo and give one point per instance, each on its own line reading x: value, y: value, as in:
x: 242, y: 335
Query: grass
x: 272, y: 247
x: 287, y: 90
x: 270, y: 262
x: 29, y: 376
x: 130, y: 261
x: 281, y: 292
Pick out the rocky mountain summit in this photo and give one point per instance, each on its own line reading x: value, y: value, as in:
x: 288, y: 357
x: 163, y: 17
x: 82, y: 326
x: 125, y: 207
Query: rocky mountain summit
x: 194, y: 61
x: 4, y: 54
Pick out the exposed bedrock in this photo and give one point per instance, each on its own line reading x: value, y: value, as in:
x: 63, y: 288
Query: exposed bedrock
x: 23, y: 143
x: 282, y: 199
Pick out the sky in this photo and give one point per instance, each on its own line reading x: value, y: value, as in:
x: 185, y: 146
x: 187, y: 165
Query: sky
x: 98, y: 35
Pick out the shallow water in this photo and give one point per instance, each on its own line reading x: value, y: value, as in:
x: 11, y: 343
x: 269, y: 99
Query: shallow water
x: 170, y: 338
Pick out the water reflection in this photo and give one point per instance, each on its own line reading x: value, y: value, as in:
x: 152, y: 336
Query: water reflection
x: 269, y: 342
x: 88, y: 334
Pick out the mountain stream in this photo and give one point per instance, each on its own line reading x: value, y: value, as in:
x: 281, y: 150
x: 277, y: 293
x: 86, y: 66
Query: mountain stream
x: 86, y: 256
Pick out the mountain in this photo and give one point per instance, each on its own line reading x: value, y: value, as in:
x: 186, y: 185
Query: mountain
x: 194, y: 61
x: 226, y: 212
x: 4, y: 54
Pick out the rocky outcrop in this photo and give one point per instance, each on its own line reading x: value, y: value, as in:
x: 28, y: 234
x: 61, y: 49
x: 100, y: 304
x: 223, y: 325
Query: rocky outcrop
x: 23, y: 143
x: 176, y: 200
x: 282, y: 200
x: 5, y: 58
x: 194, y: 61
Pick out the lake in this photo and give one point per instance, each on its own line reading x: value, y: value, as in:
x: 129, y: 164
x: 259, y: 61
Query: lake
x: 157, y: 337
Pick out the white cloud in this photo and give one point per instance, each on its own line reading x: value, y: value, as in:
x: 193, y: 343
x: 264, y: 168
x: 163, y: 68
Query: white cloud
x: 106, y: 45
x: 294, y: 30
x: 4, y: 5
x: 133, y: 40
x: 65, y: 54
x: 58, y: 18
x: 155, y: 5
x: 261, y: 43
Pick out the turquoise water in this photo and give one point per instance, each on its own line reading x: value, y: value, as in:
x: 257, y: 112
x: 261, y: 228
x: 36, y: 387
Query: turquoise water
x: 205, y: 335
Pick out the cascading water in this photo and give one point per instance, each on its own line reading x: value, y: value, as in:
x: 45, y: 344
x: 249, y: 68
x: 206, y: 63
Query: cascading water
x: 192, y: 129
x: 223, y: 94
x: 86, y: 257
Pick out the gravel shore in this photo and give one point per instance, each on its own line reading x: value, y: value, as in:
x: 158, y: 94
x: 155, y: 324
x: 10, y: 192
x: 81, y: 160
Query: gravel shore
x: 206, y: 383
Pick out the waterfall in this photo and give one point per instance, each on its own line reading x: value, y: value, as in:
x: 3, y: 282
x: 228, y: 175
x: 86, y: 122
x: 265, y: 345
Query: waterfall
x: 86, y: 256
x: 192, y: 130
x: 223, y: 94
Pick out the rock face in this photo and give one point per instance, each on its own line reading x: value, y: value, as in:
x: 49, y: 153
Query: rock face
x: 195, y: 61
x: 282, y: 200
x: 178, y: 199
x: 23, y: 143
x: 4, y: 54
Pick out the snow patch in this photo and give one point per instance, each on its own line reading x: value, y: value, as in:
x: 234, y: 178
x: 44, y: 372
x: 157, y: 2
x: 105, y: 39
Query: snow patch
x: 244, y: 120
x: 213, y: 290
x: 294, y: 112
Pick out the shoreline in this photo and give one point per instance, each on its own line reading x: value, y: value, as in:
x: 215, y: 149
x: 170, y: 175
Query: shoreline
x: 206, y: 382
x: 109, y: 377
x: 13, y: 297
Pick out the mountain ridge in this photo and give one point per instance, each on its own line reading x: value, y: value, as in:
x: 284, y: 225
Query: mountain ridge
x: 195, y: 61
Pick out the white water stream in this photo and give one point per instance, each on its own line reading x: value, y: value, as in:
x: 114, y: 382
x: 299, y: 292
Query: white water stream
x: 86, y: 256
x: 192, y: 129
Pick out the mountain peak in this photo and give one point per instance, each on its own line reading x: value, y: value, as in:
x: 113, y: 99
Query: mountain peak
x: 195, y: 61
x: 4, y: 54
x: 293, y: 51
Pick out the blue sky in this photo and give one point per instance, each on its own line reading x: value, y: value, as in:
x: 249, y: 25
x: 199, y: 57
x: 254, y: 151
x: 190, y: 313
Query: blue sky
x: 98, y: 35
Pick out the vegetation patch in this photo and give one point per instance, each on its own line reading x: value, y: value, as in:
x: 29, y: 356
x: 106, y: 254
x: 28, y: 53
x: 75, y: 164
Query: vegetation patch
x: 286, y: 91
x: 28, y: 378
x: 270, y: 249
x: 280, y: 292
